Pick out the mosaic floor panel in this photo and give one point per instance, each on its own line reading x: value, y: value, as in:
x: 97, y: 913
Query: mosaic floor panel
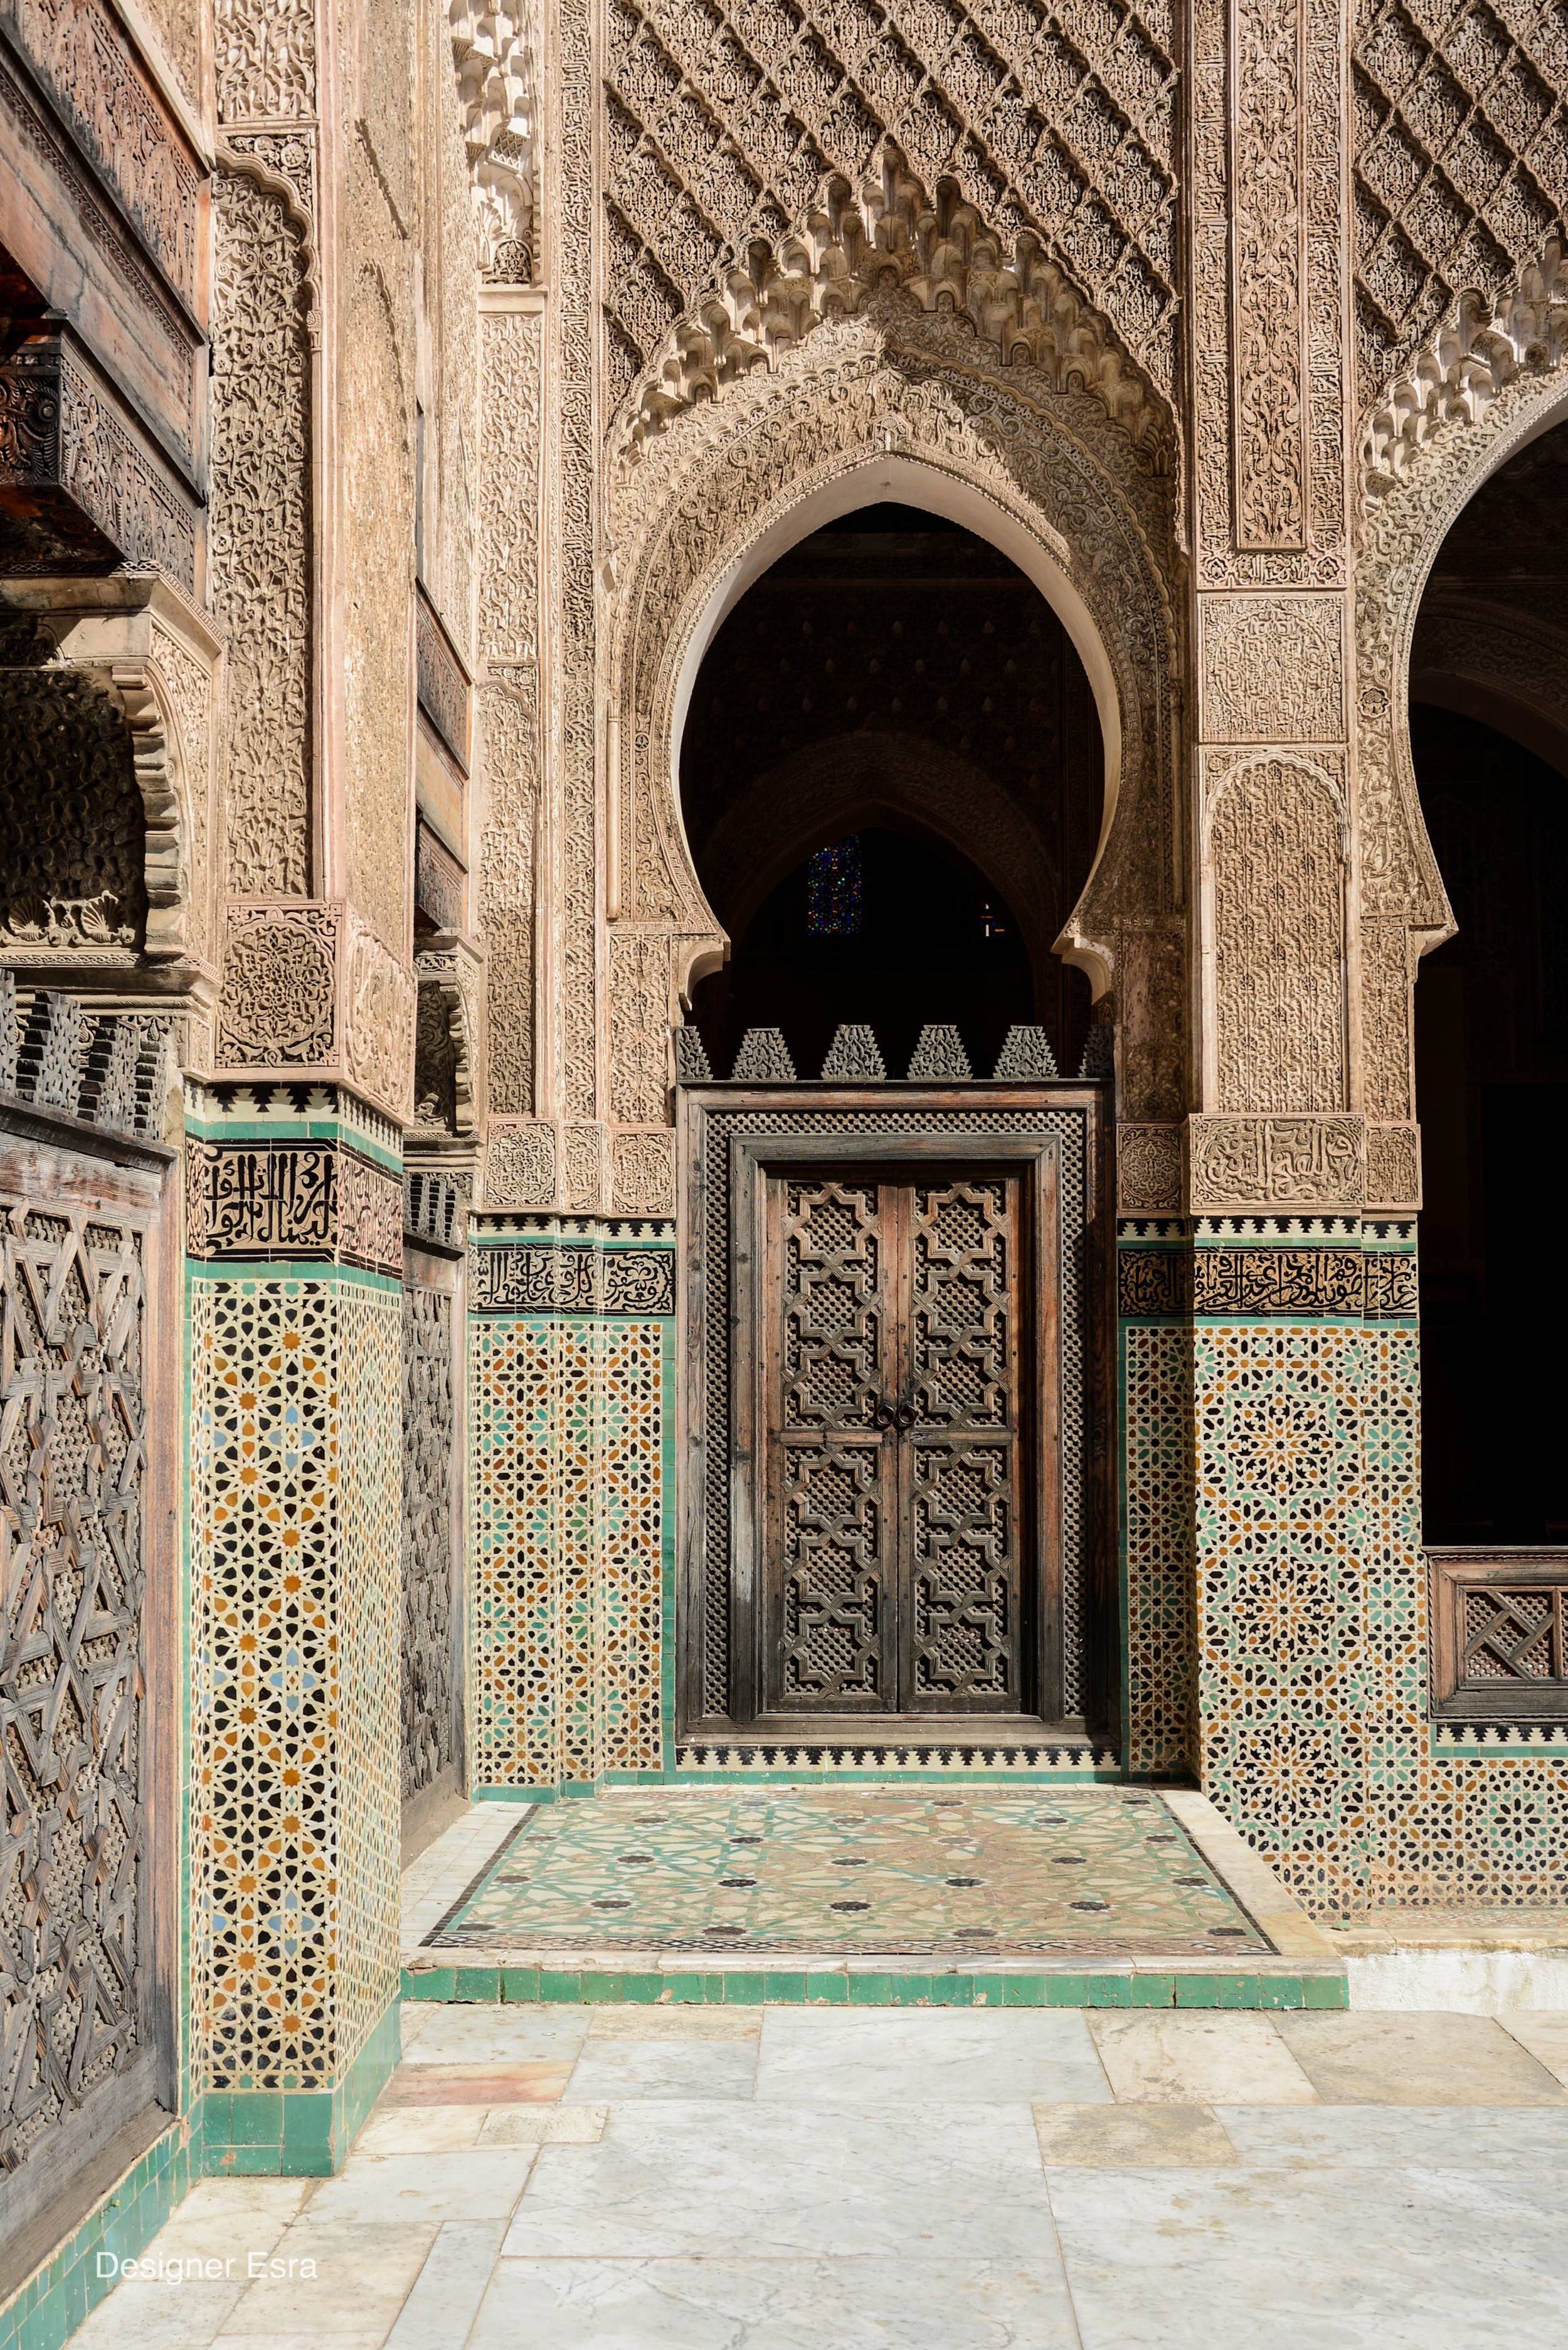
x: 1088, y: 1872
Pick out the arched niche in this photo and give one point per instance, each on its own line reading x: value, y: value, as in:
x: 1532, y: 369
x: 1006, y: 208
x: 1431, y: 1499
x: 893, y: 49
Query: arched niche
x: 1414, y: 489
x: 911, y: 482
x: 119, y: 676
x: 733, y: 483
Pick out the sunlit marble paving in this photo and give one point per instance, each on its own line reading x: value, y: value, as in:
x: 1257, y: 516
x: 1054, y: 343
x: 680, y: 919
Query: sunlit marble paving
x: 812, y: 2179
x: 1082, y: 1871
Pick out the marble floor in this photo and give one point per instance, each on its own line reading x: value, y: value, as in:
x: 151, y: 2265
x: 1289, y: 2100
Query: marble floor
x: 969, y: 1873
x: 831, y: 2178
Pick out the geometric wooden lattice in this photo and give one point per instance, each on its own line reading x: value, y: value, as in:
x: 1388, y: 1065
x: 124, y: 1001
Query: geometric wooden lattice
x: 891, y: 1385
x: 72, y: 1454
x: 1500, y: 1633
x: 430, y: 1722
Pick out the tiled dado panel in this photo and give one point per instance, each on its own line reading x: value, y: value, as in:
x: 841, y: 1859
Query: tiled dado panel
x: 571, y: 1480
x: 1304, y: 1390
x: 1270, y: 1373
x: 297, y: 1442
x: 1155, y: 1384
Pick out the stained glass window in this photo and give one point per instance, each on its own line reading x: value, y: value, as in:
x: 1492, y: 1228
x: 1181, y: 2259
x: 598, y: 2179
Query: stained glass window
x: 833, y: 891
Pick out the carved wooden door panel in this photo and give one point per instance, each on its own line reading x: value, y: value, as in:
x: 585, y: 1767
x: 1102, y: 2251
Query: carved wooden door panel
x: 892, y: 1540
x: 829, y: 1629
x: 959, y: 1427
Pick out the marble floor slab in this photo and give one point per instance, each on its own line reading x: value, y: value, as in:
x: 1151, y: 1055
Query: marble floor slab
x: 480, y: 2085
x: 1200, y: 2059
x: 612, y: 2071
x: 1545, y: 2034
x: 877, y: 2056
x: 677, y: 2181
x: 1132, y: 2137
x: 810, y: 2178
x: 496, y: 2035
x: 1341, y: 2257
x: 1393, y: 2059
x: 342, y: 2276
x: 1468, y: 2137
x: 158, y: 2316
x: 424, y: 2189
x: 446, y: 2295
x: 647, y: 2021
x: 759, y: 2305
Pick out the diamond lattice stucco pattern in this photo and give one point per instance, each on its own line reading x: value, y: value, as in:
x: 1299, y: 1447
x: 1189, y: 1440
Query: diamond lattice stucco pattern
x: 724, y: 125
x: 1461, y: 162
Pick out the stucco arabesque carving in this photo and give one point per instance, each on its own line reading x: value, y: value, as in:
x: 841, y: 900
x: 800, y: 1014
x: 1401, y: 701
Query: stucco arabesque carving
x: 1484, y: 345
x: 310, y: 990
x: 379, y: 1011
x: 281, y: 163
x: 885, y: 239
x: 1407, y: 515
x: 493, y: 55
x: 890, y: 380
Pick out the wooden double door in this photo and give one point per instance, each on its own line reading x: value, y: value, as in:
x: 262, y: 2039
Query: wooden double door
x: 899, y: 1442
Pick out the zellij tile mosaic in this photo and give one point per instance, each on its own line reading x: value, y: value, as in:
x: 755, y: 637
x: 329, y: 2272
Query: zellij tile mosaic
x: 830, y: 1870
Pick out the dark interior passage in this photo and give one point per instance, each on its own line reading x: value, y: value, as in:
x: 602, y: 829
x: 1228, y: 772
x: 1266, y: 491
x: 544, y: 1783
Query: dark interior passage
x: 895, y: 714
x: 1491, y: 1070
x: 916, y: 935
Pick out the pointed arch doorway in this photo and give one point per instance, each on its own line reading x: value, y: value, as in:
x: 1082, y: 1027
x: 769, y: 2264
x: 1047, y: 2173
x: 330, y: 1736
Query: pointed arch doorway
x: 891, y: 777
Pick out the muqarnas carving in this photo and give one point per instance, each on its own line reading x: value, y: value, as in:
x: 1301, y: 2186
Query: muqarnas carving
x: 72, y: 825
x: 1461, y: 162
x: 890, y: 242
x: 491, y: 49
x: 720, y: 132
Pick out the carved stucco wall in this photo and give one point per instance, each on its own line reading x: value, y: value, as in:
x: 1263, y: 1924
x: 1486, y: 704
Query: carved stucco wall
x: 72, y: 827
x: 378, y: 517
x: 260, y: 528
x: 1019, y: 344
x: 722, y: 128
x: 450, y: 245
x: 1410, y: 510
x: 1276, y: 866
x: 1460, y: 164
x: 178, y: 24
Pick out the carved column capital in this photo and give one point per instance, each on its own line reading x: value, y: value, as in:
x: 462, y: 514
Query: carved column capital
x: 309, y: 992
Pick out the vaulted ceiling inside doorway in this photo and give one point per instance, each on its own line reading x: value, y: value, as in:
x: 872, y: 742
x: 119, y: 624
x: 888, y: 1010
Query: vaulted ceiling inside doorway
x: 897, y: 683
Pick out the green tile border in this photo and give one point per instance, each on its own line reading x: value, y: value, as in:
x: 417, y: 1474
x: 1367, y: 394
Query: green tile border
x: 837, y: 1984
x: 47, y: 2309
x: 297, y: 2134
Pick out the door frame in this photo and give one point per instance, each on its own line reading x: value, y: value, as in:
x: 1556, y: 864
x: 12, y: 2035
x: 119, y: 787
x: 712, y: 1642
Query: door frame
x: 728, y: 1135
